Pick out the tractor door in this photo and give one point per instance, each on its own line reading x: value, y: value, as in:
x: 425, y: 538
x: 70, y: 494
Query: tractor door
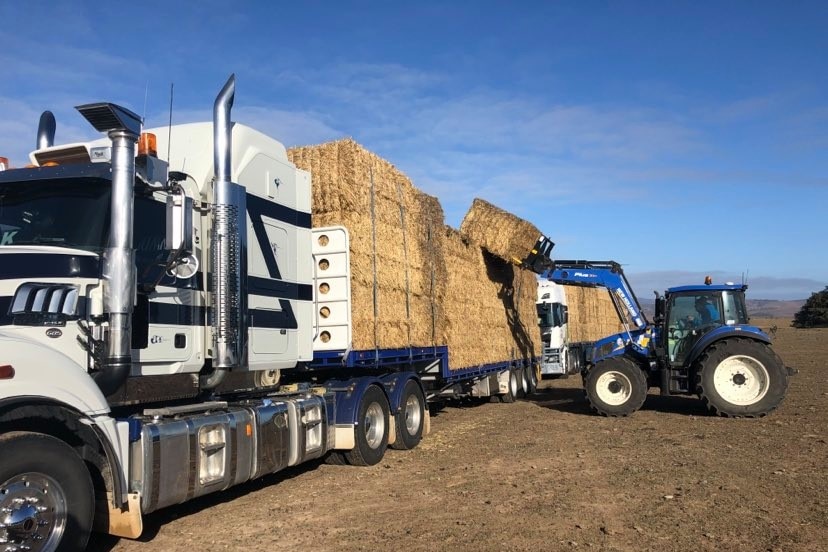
x: 689, y: 316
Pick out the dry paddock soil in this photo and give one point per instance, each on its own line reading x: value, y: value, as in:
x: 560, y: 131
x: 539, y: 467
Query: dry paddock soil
x: 544, y: 474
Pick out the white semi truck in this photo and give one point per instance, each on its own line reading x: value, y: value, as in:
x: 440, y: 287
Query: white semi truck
x: 559, y: 357
x: 160, y: 336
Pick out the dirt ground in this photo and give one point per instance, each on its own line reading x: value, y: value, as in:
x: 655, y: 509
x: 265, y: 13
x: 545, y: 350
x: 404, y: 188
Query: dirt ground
x: 543, y: 474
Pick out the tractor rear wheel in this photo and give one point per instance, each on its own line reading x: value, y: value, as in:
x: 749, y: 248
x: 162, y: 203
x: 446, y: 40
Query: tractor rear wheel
x: 615, y: 387
x: 741, y: 377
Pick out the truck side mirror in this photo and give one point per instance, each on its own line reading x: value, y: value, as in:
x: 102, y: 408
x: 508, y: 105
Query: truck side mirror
x: 180, y: 224
x: 565, y: 316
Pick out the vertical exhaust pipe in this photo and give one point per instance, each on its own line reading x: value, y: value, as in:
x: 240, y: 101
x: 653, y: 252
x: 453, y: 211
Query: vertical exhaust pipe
x: 228, y: 248
x: 46, y: 130
x: 123, y: 127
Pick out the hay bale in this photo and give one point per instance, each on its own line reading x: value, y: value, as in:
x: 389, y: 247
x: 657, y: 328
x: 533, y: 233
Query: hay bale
x: 498, y: 231
x: 415, y: 281
x: 592, y: 314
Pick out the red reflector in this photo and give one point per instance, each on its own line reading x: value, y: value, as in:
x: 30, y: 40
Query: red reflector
x: 6, y: 371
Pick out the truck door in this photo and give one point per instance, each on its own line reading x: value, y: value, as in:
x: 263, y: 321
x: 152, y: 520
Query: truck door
x: 168, y: 322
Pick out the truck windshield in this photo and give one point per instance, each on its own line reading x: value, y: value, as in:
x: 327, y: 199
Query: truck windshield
x: 61, y: 212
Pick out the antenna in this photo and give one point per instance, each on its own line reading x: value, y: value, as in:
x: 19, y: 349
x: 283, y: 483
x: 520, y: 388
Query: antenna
x: 169, y: 132
x: 146, y: 95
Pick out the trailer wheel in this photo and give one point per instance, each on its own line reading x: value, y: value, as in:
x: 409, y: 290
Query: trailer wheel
x: 512, y: 392
x: 615, y: 387
x: 741, y: 377
x: 531, y: 378
x: 410, y: 418
x: 46, y: 497
x: 371, y: 432
x: 523, y: 378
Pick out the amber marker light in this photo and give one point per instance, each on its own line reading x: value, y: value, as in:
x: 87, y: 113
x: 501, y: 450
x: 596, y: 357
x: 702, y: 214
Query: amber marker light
x: 147, y: 144
x: 6, y: 371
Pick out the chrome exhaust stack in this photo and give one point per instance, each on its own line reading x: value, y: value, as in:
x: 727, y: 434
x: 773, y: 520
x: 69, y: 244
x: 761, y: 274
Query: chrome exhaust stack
x: 46, y: 130
x: 123, y: 127
x: 228, y: 248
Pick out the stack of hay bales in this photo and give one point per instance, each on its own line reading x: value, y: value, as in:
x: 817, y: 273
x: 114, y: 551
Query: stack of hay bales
x: 397, y: 280
x: 498, y: 231
x: 592, y: 315
x: 414, y: 281
x: 489, y: 306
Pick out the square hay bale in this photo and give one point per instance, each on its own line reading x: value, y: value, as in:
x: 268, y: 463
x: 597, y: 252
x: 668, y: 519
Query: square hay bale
x: 592, y: 314
x: 498, y: 231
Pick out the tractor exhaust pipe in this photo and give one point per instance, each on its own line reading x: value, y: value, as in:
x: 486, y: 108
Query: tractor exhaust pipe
x: 229, y: 263
x: 46, y: 130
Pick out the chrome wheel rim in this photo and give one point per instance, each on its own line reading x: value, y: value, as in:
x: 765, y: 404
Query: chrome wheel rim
x: 613, y: 388
x: 33, y: 513
x: 374, y: 425
x: 741, y: 380
x: 413, y: 414
x: 513, y: 383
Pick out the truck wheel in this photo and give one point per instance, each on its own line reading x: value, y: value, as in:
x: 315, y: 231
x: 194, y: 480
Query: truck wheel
x: 46, y: 497
x: 410, y: 417
x: 615, y: 387
x: 336, y: 458
x: 371, y: 432
x: 741, y: 377
x: 511, y: 394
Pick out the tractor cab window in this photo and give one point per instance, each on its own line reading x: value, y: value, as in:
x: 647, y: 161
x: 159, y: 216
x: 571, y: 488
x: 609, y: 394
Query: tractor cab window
x: 689, y: 316
x: 735, y: 311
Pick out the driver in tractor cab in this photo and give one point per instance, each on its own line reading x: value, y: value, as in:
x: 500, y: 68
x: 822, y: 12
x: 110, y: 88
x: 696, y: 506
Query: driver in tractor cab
x: 708, y: 313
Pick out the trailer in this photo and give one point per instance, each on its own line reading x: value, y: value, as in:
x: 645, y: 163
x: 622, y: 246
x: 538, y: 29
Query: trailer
x: 167, y: 330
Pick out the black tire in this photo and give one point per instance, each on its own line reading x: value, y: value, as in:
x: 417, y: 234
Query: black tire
x: 573, y: 361
x: 40, y: 457
x: 531, y: 378
x: 410, y: 418
x: 371, y: 431
x: 511, y: 394
x: 615, y: 387
x: 336, y: 458
x: 750, y: 362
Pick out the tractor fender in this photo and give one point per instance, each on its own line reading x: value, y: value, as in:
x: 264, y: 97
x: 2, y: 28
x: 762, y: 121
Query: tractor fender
x: 724, y: 332
x: 349, y: 394
x: 395, y: 385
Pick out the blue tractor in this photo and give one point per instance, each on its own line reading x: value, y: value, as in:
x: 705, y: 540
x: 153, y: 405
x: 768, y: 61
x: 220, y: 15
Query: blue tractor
x: 700, y: 343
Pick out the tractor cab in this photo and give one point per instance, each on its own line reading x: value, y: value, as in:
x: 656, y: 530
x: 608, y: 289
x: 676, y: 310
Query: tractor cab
x: 689, y: 312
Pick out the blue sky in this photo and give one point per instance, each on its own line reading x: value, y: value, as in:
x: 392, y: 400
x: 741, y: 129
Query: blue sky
x: 680, y: 139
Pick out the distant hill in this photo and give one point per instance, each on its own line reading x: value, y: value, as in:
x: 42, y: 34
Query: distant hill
x: 757, y: 308
x: 769, y: 308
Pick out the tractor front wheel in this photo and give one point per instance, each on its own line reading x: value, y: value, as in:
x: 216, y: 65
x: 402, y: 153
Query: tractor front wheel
x: 741, y: 378
x: 615, y: 387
